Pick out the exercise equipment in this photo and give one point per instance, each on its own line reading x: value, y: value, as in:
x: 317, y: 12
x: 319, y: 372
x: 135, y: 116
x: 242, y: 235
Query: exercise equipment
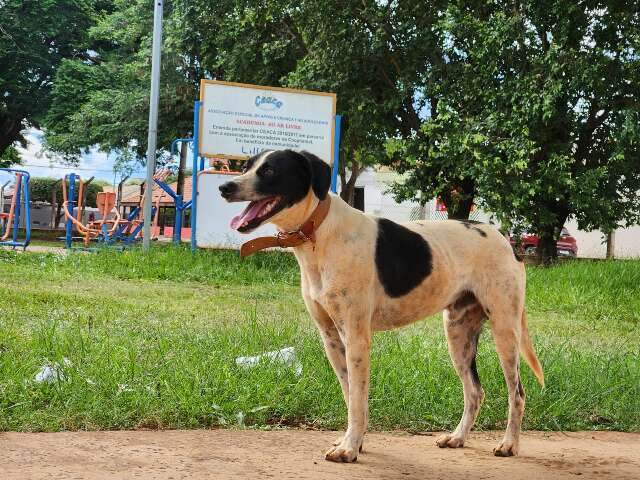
x: 110, y: 227
x: 19, y: 207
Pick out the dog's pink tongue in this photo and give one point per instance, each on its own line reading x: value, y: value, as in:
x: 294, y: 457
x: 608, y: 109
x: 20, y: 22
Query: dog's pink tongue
x: 249, y: 213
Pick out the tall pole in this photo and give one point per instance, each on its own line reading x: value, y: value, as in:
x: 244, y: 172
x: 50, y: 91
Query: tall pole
x: 153, y: 122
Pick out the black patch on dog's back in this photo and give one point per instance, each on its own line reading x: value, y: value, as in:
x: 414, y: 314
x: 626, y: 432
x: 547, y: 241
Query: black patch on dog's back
x: 471, y: 225
x: 403, y: 258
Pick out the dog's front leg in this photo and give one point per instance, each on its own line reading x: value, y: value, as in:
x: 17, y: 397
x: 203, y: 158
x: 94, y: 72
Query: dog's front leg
x: 356, y: 334
x: 333, y: 346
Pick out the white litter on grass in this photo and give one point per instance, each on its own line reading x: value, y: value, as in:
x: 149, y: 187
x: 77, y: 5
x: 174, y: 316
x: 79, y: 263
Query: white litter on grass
x: 52, y: 373
x: 285, y: 356
x: 123, y: 387
x: 240, y: 419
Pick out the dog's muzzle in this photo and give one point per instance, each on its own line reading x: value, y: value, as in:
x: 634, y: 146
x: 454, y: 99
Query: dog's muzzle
x: 228, y: 189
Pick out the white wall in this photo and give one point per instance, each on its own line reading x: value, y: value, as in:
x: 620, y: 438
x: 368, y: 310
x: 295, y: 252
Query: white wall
x: 592, y: 244
x: 377, y: 202
x: 214, y: 216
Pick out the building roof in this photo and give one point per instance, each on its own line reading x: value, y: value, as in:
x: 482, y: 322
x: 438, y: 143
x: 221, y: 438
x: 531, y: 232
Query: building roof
x: 133, y: 197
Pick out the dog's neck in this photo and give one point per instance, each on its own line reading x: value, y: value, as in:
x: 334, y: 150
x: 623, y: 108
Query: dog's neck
x: 293, y: 218
x: 331, y: 230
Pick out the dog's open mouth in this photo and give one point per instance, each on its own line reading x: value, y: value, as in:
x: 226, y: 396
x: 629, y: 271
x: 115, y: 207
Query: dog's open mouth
x: 256, y: 212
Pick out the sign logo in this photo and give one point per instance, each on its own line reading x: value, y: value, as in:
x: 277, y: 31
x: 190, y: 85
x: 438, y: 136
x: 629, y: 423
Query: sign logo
x: 268, y: 103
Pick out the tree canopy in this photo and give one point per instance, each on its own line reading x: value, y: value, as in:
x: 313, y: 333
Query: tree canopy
x: 35, y: 37
x: 106, y: 103
x: 542, y: 115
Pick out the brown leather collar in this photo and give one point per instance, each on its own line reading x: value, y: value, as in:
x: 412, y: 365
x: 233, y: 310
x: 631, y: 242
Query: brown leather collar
x: 306, y: 233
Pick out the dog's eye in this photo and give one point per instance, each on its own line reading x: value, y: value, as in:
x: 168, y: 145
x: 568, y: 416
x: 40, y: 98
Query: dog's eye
x: 267, y: 171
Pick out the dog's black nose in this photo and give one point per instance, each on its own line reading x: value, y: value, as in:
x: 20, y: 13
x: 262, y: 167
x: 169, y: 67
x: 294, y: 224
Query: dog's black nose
x: 228, y: 189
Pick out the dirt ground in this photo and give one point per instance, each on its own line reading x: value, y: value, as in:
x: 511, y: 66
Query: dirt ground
x: 298, y: 454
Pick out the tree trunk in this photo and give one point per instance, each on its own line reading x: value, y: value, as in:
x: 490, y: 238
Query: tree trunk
x: 58, y: 214
x: 53, y: 223
x: 458, y: 210
x: 184, y: 150
x: 9, y: 132
x: 459, y: 199
x: 348, y: 186
x: 347, y: 193
x: 611, y: 244
x: 547, y: 251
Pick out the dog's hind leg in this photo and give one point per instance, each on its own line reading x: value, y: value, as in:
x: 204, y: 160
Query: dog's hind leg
x: 507, y: 340
x: 463, y: 323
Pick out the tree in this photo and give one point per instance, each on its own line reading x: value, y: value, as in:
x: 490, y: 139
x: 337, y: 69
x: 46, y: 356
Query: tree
x: 366, y: 52
x: 9, y: 157
x: 42, y: 190
x: 106, y: 103
x: 369, y: 53
x: 35, y: 36
x: 548, y: 128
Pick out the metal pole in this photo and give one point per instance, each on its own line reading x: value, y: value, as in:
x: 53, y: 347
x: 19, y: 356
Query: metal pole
x: 72, y: 193
x: 153, y: 121
x: 194, y: 173
x: 336, y: 154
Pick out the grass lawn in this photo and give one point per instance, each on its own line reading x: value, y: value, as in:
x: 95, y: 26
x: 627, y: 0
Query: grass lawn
x: 151, y: 341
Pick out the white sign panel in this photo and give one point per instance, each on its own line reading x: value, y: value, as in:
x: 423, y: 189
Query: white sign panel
x: 239, y: 121
x: 215, y: 214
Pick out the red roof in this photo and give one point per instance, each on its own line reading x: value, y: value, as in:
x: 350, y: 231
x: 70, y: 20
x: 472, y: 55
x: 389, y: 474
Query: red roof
x: 158, y: 193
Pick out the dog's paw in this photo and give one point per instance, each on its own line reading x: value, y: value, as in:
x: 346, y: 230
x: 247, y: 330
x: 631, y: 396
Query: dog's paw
x: 338, y: 441
x: 342, y: 453
x: 506, y: 449
x: 448, y: 440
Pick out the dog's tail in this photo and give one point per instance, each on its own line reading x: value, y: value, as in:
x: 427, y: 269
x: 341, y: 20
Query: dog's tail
x: 528, y: 352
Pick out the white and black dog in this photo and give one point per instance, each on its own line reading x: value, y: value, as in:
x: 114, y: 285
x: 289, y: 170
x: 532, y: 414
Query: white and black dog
x: 360, y: 274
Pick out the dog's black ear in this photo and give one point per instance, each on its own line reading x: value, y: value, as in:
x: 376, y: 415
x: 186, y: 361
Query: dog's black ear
x: 320, y: 175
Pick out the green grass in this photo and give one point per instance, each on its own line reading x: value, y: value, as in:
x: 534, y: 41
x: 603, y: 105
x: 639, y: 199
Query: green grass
x: 152, y: 340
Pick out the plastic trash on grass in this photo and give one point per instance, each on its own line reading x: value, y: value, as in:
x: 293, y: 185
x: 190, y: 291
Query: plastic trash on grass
x: 52, y: 373
x: 285, y: 356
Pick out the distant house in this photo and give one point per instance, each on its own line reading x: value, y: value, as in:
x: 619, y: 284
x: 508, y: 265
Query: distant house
x: 132, y: 196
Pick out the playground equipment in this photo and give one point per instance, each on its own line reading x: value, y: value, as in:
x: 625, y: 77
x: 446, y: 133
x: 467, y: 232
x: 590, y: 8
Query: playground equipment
x: 110, y: 227
x: 178, y: 200
x: 10, y: 221
x: 180, y: 205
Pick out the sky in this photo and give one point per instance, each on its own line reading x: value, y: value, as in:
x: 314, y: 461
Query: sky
x: 94, y: 163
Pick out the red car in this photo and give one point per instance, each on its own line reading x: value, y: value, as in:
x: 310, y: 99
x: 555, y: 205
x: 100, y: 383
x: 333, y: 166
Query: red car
x: 567, y: 245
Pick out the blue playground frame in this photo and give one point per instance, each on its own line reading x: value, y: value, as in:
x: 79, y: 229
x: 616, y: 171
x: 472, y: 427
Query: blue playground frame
x: 22, y: 197
x: 180, y: 204
x: 198, y: 165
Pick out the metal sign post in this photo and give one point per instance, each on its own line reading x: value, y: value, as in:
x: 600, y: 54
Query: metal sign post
x: 153, y: 122
x: 194, y: 172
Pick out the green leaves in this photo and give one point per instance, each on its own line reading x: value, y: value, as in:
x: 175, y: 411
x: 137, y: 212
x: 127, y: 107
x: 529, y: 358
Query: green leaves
x: 538, y: 104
